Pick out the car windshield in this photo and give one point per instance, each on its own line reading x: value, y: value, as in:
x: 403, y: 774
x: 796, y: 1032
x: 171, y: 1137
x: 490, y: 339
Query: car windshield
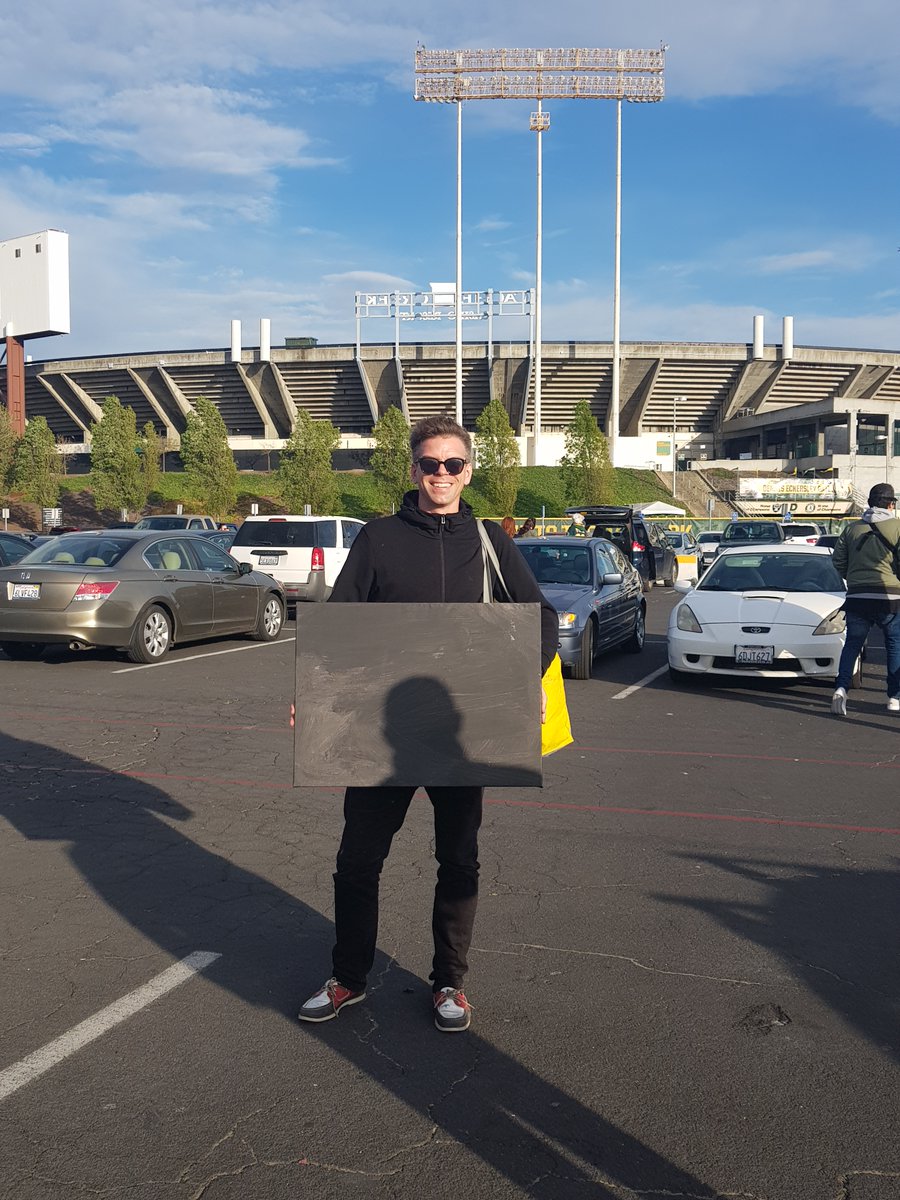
x: 280, y: 533
x: 558, y: 564
x: 752, y: 531
x: 792, y: 529
x: 776, y: 572
x: 710, y: 537
x: 162, y: 523
x: 84, y: 550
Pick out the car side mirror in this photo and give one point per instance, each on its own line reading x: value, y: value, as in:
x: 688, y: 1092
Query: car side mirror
x: 612, y: 577
x: 244, y: 568
x: 684, y: 585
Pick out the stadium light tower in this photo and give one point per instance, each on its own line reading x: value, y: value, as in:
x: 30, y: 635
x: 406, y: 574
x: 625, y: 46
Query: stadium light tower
x: 452, y: 76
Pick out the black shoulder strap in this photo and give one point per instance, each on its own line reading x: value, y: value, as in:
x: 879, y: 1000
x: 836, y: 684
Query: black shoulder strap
x: 873, y: 528
x: 893, y: 550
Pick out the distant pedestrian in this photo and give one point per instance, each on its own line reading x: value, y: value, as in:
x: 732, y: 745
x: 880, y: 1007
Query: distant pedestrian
x: 527, y: 528
x: 508, y: 526
x: 577, y: 528
x: 867, y: 554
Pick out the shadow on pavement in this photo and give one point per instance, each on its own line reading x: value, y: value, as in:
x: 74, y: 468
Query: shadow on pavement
x: 117, y: 832
x: 833, y: 928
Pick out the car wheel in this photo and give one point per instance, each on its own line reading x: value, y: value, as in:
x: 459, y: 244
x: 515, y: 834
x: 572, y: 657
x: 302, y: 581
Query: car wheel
x: 582, y: 668
x: 152, y: 636
x: 669, y: 581
x: 22, y: 651
x: 270, y: 620
x: 635, y: 644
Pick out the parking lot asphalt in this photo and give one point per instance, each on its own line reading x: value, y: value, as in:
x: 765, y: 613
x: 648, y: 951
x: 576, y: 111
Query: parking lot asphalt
x: 685, y: 971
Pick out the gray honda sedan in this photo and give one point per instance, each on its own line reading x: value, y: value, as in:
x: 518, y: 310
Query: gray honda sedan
x: 137, y: 590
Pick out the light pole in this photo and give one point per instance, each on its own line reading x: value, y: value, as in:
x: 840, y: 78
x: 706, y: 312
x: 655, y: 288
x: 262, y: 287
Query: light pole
x: 675, y: 400
x: 459, y: 408
x: 614, y: 403
x: 539, y: 122
x: 451, y: 76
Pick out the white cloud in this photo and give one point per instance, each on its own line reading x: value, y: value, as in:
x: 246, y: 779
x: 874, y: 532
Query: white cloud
x: 491, y: 225
x: 27, y: 144
x: 370, y: 280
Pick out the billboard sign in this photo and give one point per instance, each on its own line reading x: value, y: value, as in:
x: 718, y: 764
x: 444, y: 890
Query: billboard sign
x: 34, y: 285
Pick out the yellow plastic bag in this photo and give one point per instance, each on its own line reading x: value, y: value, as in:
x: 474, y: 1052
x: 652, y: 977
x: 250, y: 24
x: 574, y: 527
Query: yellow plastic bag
x: 556, y: 731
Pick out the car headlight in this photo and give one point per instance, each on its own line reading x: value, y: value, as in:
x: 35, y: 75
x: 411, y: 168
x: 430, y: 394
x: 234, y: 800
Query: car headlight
x: 686, y: 621
x: 566, y: 620
x: 836, y: 622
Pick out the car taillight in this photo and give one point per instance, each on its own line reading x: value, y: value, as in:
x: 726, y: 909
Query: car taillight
x: 318, y: 559
x: 636, y: 547
x: 96, y: 591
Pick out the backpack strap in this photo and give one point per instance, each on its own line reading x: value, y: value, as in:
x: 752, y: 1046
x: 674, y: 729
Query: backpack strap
x: 893, y: 550
x: 490, y: 560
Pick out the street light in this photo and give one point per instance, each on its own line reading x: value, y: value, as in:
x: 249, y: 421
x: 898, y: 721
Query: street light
x: 675, y: 400
x: 452, y: 76
x: 540, y: 121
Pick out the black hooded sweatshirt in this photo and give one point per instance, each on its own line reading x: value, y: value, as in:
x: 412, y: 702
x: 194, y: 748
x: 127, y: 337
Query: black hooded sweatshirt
x: 417, y: 557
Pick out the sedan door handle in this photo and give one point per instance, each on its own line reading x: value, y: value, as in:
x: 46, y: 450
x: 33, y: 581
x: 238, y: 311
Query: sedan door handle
x: 170, y: 578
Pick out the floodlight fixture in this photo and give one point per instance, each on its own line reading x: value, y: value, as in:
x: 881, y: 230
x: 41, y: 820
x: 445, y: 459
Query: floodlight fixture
x: 448, y: 76
x: 454, y: 76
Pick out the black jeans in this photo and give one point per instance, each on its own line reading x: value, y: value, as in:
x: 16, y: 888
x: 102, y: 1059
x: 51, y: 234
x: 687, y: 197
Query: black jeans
x: 371, y: 818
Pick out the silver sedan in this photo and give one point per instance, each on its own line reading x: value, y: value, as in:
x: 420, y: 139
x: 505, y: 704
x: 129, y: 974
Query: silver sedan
x: 136, y: 590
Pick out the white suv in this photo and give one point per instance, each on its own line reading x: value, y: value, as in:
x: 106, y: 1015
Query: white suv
x: 305, y: 554
x: 802, y: 531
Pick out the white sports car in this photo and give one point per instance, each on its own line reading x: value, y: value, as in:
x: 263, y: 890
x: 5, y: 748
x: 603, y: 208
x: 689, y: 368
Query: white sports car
x: 770, y: 611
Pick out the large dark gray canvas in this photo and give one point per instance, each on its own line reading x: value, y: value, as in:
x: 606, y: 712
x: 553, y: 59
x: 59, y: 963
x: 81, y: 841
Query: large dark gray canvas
x: 440, y: 694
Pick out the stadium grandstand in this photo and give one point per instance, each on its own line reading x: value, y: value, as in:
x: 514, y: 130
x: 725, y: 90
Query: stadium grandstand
x: 773, y: 409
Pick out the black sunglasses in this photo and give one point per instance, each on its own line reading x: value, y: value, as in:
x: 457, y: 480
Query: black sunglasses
x: 431, y: 466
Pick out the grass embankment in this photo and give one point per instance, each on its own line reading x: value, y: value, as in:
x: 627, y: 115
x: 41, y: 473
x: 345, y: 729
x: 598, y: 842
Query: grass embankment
x: 539, y: 487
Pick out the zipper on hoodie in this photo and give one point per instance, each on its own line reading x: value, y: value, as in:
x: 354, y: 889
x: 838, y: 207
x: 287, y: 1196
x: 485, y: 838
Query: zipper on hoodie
x: 441, y: 545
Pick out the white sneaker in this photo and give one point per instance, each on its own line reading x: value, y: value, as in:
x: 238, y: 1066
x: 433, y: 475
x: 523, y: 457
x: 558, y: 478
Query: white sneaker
x: 893, y: 705
x: 839, y: 702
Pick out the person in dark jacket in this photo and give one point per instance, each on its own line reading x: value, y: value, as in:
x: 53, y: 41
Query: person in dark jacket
x: 428, y: 551
x: 867, y: 554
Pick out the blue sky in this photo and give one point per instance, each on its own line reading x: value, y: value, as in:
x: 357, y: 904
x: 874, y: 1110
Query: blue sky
x: 213, y: 161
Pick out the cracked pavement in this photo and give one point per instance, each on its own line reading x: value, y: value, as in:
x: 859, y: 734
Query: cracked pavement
x: 685, y: 984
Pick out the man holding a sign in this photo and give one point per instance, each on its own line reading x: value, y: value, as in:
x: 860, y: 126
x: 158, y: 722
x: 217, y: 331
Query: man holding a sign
x: 430, y: 551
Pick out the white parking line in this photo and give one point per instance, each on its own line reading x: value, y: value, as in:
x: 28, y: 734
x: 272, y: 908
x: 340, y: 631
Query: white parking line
x: 623, y: 695
x: 173, y: 662
x: 54, y: 1052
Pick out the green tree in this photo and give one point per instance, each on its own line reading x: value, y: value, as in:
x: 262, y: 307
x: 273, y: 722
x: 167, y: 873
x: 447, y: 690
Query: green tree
x: 208, y: 461
x: 497, y: 453
x: 8, y: 439
x: 305, y: 475
x: 586, y: 471
x: 391, y: 460
x: 36, y: 468
x: 115, y: 461
x: 152, y: 447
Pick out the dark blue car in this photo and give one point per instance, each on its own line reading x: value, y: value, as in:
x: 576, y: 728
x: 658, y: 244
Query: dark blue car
x: 596, y: 592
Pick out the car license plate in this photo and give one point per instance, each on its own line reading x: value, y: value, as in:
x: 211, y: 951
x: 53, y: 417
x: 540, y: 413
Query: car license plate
x: 268, y: 560
x: 754, y: 656
x: 25, y: 591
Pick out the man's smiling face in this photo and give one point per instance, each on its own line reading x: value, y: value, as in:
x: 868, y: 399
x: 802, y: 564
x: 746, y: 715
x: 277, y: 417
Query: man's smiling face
x: 440, y: 493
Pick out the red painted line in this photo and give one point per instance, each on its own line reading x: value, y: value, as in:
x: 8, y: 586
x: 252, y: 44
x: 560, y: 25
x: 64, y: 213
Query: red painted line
x: 693, y: 816
x: 639, y: 751
x: 259, y: 785
x: 145, y: 723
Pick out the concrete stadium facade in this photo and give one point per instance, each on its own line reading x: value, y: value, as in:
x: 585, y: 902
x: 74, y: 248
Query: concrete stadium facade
x: 744, y: 405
